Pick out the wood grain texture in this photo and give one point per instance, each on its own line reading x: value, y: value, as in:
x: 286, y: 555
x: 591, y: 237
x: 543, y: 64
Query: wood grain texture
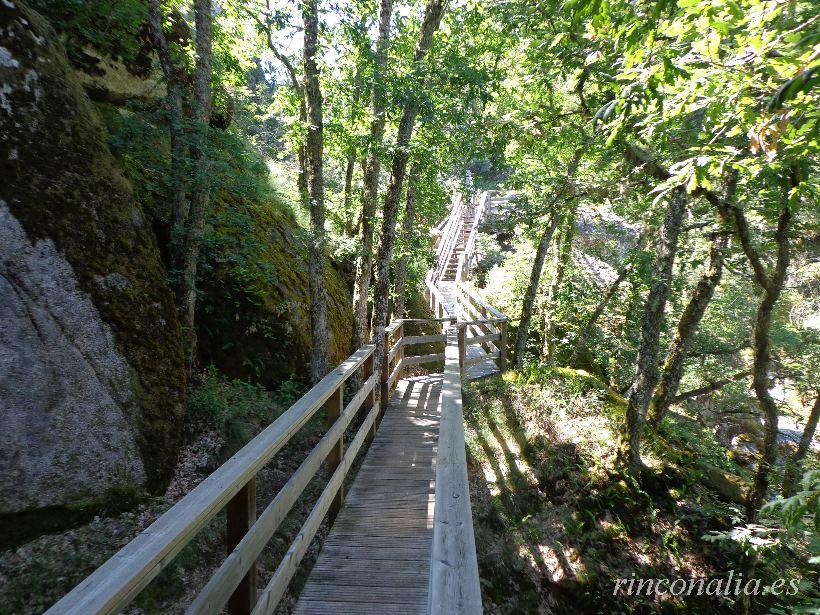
x: 454, y: 583
x: 114, y: 584
x: 377, y: 556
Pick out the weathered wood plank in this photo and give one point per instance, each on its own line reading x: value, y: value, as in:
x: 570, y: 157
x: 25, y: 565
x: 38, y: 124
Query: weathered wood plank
x: 328, y: 607
x: 376, y: 557
x: 481, y: 339
x: 410, y: 340
x: 454, y: 583
x: 422, y: 358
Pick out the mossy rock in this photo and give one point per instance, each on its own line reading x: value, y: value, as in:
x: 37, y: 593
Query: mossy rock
x: 65, y: 192
x: 254, y: 316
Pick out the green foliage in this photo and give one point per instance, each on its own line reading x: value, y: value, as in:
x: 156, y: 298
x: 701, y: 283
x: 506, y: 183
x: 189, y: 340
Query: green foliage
x: 107, y: 26
x: 800, y: 514
x: 235, y: 408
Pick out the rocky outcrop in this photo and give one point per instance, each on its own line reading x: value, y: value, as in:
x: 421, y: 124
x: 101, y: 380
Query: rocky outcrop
x: 91, y: 377
x: 254, y: 317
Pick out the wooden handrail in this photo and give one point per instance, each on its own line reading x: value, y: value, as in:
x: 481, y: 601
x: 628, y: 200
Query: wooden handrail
x: 449, y: 237
x: 454, y: 582
x: 115, y: 584
x: 219, y: 588
x: 470, y: 245
x: 479, y: 301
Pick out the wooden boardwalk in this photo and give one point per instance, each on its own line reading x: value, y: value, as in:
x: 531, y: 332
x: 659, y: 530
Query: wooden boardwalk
x: 376, y: 558
x: 402, y: 541
x: 480, y: 369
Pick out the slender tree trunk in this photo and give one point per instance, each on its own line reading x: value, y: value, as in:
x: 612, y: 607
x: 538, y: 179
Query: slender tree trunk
x: 551, y: 304
x: 623, y: 272
x: 313, y: 155
x: 302, y: 178
x: 761, y: 349
x: 647, y: 374
x: 583, y: 334
x: 349, y: 215
x: 532, y: 290
x: 794, y: 466
x: 174, y: 97
x: 350, y: 164
x: 432, y: 17
x: 407, y: 239
x: 370, y: 180
x: 200, y: 190
x: 187, y: 217
x: 538, y: 264
x: 685, y: 333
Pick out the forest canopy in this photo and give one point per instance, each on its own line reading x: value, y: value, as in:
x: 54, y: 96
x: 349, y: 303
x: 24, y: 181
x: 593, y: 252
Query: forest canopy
x: 654, y: 242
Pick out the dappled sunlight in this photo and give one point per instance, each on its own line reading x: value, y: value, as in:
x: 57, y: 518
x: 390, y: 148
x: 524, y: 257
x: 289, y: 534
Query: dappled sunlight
x: 548, y: 510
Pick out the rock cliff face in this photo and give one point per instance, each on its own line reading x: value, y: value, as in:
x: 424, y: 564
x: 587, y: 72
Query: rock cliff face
x: 257, y: 326
x: 91, y: 378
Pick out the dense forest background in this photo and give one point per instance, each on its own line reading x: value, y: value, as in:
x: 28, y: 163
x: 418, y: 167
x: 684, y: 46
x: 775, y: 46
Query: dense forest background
x: 206, y: 205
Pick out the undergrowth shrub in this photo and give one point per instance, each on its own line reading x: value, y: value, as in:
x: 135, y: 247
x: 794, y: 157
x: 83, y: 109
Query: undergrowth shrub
x: 235, y: 408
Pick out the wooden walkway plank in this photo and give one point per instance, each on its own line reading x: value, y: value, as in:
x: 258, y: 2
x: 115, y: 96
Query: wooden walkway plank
x: 376, y: 558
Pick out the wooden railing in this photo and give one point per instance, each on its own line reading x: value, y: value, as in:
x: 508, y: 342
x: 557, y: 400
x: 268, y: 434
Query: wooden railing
x: 466, y: 259
x: 454, y: 582
x: 449, y: 237
x: 487, y: 325
x: 233, y: 487
x: 435, y: 300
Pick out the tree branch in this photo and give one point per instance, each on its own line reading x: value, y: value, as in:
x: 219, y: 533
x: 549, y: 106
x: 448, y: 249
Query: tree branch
x: 711, y: 387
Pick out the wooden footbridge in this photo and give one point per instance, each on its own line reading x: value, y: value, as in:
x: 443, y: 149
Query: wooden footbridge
x: 401, y: 539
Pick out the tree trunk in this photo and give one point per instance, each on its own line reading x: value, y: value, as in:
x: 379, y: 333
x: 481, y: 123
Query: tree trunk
x: 174, y: 100
x: 200, y: 190
x: 583, y: 334
x: 187, y: 217
x: 647, y: 374
x: 538, y: 264
x: 302, y: 179
x: 432, y: 17
x: 685, y: 333
x: 761, y: 348
x: 313, y: 154
x: 407, y: 238
x: 350, y: 164
x: 532, y: 290
x: 551, y: 304
x: 370, y: 180
x: 794, y: 467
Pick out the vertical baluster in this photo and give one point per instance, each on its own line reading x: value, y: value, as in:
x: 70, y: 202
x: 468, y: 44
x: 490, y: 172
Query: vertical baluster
x: 502, y: 347
x: 240, y: 516
x: 462, y: 346
x: 399, y: 337
x: 367, y: 404
x: 334, y: 406
x: 385, y: 374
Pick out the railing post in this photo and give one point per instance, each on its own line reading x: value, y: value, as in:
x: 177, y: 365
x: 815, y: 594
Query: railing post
x: 399, y: 337
x: 384, y: 379
x: 502, y: 347
x: 462, y: 347
x: 334, y: 406
x: 240, y: 515
x: 367, y: 404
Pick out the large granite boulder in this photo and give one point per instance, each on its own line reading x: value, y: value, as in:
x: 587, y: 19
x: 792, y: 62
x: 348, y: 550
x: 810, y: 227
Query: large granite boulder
x: 91, y: 373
